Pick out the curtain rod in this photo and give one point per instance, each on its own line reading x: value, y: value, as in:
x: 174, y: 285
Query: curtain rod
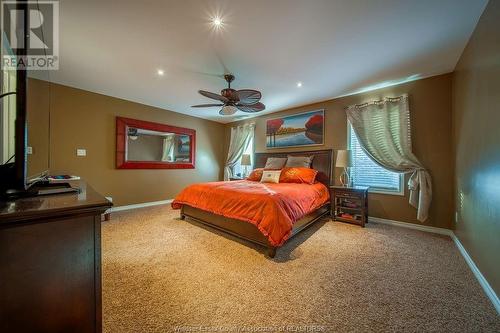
x: 379, y: 102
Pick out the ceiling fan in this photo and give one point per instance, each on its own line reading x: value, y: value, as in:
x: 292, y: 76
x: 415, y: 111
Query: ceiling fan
x: 246, y: 100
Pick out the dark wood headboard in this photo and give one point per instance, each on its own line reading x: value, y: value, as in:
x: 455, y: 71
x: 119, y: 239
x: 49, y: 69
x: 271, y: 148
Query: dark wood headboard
x: 322, y: 162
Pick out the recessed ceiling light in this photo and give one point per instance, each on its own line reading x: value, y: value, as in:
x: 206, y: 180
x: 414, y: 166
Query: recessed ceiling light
x: 217, y: 21
x: 299, y: 84
x: 160, y: 72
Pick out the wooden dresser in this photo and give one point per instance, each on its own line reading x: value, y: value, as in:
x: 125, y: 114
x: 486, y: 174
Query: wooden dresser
x: 50, y: 262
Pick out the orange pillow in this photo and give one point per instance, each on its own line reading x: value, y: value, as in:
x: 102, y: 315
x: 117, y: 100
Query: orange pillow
x: 256, y: 175
x: 298, y: 175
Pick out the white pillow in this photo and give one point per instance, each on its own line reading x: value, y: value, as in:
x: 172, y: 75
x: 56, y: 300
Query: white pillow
x: 269, y: 176
x: 275, y: 163
x: 299, y: 161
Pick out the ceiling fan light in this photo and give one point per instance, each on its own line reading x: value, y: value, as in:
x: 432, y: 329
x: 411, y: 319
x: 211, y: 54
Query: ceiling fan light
x: 228, y: 110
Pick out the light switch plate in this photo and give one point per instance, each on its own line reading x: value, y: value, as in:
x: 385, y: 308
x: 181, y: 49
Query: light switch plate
x: 29, y: 150
x: 81, y: 152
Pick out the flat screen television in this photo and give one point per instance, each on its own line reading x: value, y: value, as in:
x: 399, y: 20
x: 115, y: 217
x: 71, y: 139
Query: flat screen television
x: 13, y: 140
x: 24, y: 107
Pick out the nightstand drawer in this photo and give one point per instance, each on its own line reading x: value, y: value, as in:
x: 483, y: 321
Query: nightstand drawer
x: 344, y: 194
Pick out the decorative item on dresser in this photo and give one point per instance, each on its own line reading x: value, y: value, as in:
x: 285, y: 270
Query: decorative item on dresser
x: 349, y: 204
x: 50, y: 254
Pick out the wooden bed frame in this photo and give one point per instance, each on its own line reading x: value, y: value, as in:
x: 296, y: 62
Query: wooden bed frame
x: 322, y: 162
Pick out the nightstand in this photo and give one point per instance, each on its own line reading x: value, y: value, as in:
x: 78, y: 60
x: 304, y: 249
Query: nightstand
x: 349, y: 204
x: 235, y: 178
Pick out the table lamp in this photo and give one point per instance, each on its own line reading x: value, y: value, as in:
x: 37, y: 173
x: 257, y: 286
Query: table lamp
x: 246, y: 162
x: 344, y: 161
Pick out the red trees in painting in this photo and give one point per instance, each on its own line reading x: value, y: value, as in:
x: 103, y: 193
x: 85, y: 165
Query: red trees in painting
x: 314, y: 128
x: 315, y: 124
x: 274, y: 125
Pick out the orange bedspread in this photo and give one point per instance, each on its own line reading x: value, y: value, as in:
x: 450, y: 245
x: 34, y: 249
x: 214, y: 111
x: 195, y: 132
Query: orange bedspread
x: 273, y: 208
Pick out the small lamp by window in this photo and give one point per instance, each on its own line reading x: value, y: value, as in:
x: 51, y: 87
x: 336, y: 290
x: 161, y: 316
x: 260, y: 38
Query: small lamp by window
x: 344, y: 161
x: 246, y: 162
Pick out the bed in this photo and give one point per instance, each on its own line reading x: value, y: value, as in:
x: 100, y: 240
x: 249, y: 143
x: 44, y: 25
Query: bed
x: 274, y: 213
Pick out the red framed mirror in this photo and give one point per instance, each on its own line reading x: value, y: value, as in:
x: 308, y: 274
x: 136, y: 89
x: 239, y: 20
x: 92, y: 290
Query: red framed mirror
x: 147, y: 145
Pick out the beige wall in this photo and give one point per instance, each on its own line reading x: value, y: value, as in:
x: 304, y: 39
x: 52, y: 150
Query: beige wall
x: 476, y: 118
x: 81, y: 119
x: 430, y: 103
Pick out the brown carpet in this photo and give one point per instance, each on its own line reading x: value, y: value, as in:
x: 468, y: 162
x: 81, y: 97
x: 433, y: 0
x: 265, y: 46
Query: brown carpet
x: 161, y: 274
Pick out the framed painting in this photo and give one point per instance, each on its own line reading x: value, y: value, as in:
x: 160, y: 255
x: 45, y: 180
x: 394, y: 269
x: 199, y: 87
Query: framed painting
x: 298, y: 130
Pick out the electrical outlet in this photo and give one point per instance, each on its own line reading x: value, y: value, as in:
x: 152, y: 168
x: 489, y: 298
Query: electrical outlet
x: 29, y: 150
x: 81, y: 152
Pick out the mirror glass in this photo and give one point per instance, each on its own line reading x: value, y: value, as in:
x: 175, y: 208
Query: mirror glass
x: 37, y: 118
x: 153, y: 146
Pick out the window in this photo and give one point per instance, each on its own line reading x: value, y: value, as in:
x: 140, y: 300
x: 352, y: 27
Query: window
x: 365, y: 172
x: 241, y: 170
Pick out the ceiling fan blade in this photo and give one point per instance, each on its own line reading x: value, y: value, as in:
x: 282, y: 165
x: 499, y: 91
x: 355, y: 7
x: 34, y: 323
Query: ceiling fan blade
x: 248, y: 96
x: 205, y: 105
x: 213, y: 96
x: 251, y: 108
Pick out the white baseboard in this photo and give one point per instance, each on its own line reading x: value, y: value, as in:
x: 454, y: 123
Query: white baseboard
x: 473, y: 267
x: 477, y: 273
x: 141, y: 205
x: 441, y: 231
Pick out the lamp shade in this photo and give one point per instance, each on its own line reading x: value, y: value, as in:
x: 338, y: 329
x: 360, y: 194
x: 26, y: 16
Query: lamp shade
x: 343, y: 159
x: 245, y: 159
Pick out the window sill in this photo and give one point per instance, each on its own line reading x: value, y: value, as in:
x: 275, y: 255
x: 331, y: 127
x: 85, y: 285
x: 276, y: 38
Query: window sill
x: 377, y: 191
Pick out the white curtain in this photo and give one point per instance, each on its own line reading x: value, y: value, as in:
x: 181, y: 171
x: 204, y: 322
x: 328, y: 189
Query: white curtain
x: 384, y: 132
x: 168, y: 148
x: 240, y: 137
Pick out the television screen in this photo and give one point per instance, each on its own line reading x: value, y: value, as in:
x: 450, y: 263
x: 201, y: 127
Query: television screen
x: 7, y: 108
x: 34, y: 160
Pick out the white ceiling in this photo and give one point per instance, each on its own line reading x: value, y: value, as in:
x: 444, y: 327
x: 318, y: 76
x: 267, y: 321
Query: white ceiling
x: 115, y: 47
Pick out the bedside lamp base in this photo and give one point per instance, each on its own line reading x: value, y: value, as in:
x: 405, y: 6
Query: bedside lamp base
x: 345, y: 178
